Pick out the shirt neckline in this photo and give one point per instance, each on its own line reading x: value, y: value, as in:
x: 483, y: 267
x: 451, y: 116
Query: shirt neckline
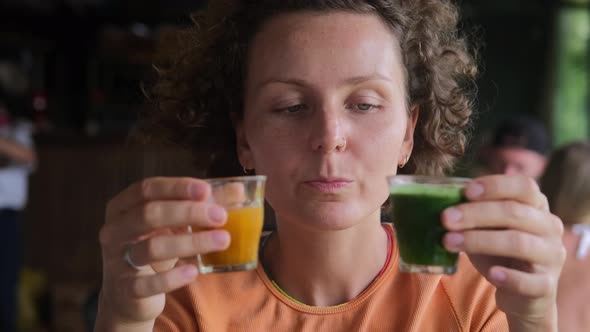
x: 390, y: 262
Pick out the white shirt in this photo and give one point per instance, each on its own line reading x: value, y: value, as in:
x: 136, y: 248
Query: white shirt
x: 583, y: 231
x: 14, y: 177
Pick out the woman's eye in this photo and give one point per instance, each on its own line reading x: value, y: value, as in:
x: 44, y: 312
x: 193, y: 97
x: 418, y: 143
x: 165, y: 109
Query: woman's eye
x: 294, y: 108
x: 365, y: 107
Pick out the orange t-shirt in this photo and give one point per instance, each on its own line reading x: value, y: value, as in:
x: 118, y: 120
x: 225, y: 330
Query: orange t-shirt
x: 394, y: 301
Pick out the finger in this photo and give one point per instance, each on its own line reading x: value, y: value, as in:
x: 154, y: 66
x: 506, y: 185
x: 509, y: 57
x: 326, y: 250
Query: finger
x: 544, y: 203
x: 158, y: 188
x: 500, y: 214
x: 502, y: 187
x: 171, y: 263
x: 503, y: 243
x: 118, y: 261
x: 165, y: 282
x: 521, y: 283
x: 162, y: 248
x: 229, y: 194
x: 141, y: 221
x: 164, y: 266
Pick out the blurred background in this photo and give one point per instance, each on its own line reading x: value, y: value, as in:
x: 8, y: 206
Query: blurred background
x: 74, y: 68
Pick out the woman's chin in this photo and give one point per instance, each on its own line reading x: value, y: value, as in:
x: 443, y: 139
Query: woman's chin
x: 316, y: 215
x: 331, y: 218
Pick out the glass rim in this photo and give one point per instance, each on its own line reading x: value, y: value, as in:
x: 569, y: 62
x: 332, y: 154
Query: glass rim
x: 430, y: 179
x: 247, y: 178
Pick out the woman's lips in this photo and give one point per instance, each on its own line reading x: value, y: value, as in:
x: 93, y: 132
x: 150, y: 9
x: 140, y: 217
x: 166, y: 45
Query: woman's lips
x: 329, y: 186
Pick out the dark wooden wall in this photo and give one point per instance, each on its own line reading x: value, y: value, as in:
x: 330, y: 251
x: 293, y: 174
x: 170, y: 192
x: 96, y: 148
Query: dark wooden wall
x: 68, y: 194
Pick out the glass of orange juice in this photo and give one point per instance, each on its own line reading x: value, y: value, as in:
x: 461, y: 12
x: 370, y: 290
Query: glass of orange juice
x: 243, y: 198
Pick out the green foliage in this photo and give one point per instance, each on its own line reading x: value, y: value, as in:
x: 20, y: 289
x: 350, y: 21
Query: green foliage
x: 571, y: 116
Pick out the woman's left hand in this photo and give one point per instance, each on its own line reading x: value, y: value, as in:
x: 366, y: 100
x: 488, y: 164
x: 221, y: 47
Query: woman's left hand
x: 515, y: 242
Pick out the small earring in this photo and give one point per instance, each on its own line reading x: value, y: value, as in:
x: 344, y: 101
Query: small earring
x: 405, y: 162
x: 247, y: 171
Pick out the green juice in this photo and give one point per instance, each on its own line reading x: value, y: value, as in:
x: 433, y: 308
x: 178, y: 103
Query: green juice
x: 416, y: 216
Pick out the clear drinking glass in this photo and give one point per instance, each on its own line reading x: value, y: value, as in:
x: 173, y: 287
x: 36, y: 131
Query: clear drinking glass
x: 416, y: 205
x: 243, y: 198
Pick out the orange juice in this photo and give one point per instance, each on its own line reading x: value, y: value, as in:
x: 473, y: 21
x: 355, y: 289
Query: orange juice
x: 244, y: 226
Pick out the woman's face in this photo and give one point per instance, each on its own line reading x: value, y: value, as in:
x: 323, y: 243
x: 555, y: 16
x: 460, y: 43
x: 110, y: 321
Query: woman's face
x: 325, y: 116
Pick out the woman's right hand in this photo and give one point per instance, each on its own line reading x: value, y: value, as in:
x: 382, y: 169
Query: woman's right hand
x: 151, y: 219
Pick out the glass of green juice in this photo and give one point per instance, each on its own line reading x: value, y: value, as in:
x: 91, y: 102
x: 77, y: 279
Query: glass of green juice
x: 417, y: 203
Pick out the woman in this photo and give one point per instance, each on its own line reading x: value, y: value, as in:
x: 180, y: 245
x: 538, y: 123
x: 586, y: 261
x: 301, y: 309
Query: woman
x: 326, y: 98
x: 567, y: 186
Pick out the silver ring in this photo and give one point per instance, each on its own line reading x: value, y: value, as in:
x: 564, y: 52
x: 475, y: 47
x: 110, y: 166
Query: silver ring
x: 127, y: 258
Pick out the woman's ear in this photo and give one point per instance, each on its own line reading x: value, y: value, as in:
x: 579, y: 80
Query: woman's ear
x: 408, y: 143
x: 242, y: 146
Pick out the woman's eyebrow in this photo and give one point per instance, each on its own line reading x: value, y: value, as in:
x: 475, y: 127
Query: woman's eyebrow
x: 303, y: 83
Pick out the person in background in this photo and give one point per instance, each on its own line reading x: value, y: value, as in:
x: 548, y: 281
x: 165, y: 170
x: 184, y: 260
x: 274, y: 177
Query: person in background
x: 519, y: 145
x: 566, y: 183
x: 17, y: 159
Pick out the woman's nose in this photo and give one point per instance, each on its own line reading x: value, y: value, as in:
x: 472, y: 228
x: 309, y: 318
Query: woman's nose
x: 328, y: 132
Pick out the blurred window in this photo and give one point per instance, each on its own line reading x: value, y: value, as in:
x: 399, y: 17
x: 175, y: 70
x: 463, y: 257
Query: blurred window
x: 571, y: 99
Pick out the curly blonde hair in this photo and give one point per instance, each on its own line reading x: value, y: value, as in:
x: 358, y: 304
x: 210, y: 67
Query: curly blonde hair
x: 196, y: 93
